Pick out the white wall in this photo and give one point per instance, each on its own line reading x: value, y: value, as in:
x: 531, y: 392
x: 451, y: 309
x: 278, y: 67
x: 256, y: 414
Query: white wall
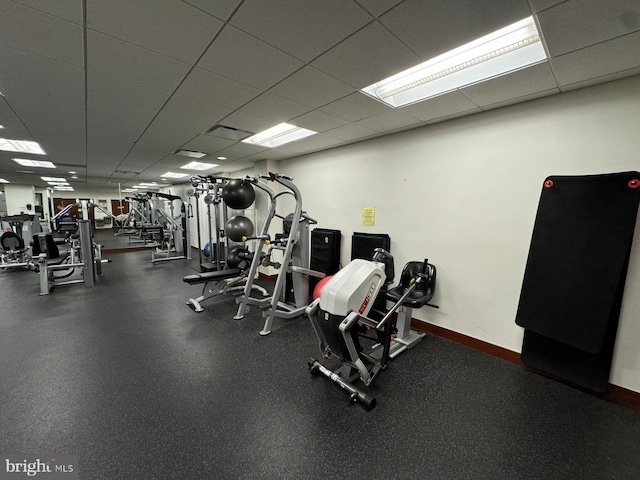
x: 17, y: 197
x: 464, y: 194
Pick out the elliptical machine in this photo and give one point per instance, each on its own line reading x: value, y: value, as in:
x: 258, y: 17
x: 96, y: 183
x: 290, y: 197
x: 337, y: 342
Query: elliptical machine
x: 363, y: 339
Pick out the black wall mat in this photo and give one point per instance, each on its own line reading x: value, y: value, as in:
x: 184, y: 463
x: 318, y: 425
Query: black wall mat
x: 325, y: 253
x: 362, y: 246
x: 574, y: 279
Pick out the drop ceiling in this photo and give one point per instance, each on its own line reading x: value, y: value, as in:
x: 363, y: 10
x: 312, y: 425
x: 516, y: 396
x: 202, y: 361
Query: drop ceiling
x: 111, y: 88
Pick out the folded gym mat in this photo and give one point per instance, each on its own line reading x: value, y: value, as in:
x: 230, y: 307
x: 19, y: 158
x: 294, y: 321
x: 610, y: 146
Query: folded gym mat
x: 575, y: 274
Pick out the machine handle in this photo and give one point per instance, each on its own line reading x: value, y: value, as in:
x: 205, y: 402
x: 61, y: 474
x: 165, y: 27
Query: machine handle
x: 414, y: 283
x: 266, y: 238
x: 274, y: 176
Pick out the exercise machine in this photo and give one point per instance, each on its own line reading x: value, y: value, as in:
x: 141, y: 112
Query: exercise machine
x: 173, y: 241
x: 13, y: 254
x: 364, y: 339
x: 53, y: 266
x: 294, y: 245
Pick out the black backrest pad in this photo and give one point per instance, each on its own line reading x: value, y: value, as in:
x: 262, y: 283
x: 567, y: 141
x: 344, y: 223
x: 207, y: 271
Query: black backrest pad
x: 578, y: 257
x: 11, y: 241
x: 44, y: 243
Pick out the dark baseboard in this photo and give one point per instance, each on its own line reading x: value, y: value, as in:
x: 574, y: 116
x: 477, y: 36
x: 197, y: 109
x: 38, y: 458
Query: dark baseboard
x: 615, y: 393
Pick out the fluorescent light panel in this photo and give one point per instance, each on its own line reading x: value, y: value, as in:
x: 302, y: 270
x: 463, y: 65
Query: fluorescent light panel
x: 2, y: 180
x: 503, y: 51
x: 198, y: 166
x: 23, y: 146
x: 190, y: 153
x: 25, y: 162
x: 174, y: 175
x: 53, y: 179
x: 279, y: 135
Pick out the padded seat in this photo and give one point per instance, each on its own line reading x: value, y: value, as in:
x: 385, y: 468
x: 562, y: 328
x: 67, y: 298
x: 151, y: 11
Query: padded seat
x: 423, y: 292
x: 11, y: 241
x: 212, y: 276
x: 44, y: 243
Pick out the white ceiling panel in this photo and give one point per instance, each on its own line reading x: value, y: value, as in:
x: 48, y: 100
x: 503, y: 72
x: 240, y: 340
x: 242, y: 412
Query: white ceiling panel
x: 121, y: 59
x: 275, y: 108
x: 351, y: 132
x: 191, y: 114
x: 371, y: 53
x: 302, y: 28
x: 39, y: 76
x: 311, y: 87
x: 217, y: 89
x: 600, y: 60
x: 604, y: 78
x: 23, y: 28
x: 119, y: 90
x: 318, y: 121
x: 308, y: 145
x: 240, y: 150
x: 70, y: 10
x: 12, y: 125
x: 521, y: 83
x: 355, y: 107
x: 524, y: 98
x: 390, y: 120
x: 247, y: 121
x: 377, y: 7
x: 540, y: 5
x: 443, y: 106
x: 246, y: 59
x: 599, y: 21
x: 433, y: 27
x: 218, y: 8
x: 207, y: 144
x: 177, y: 30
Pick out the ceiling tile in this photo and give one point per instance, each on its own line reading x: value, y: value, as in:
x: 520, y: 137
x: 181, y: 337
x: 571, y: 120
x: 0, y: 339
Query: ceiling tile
x: 390, y: 120
x: 240, y: 150
x: 442, y: 106
x: 214, y: 88
x: 351, y: 132
x: 273, y: 107
x: 539, y: 5
x: 605, y: 78
x: 366, y: 57
x: 28, y: 30
x: 311, y: 87
x: 599, y: 60
x: 521, y: 83
x: 176, y: 29
x: 207, y: 144
x: 119, y: 90
x: 13, y: 127
x: 302, y: 28
x: 190, y: 114
x: 307, y: 145
x: 63, y: 82
x: 246, y: 59
x: 318, y: 121
x: 377, y: 7
x: 524, y: 98
x: 247, y: 121
x: 70, y: 10
x: 220, y: 8
x: 431, y: 28
x: 355, y: 107
x: 121, y: 59
x: 599, y: 21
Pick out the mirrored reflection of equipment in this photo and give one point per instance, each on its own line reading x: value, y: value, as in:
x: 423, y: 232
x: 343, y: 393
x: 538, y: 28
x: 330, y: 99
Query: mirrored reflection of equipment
x: 173, y: 241
x: 289, y: 298
x: 363, y: 339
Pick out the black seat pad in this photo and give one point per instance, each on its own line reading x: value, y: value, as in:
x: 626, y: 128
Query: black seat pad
x: 212, y: 276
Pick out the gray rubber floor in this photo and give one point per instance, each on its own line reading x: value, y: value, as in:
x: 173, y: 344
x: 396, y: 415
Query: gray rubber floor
x: 126, y: 376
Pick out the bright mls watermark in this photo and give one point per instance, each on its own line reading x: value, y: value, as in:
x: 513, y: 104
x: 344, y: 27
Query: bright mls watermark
x: 48, y: 467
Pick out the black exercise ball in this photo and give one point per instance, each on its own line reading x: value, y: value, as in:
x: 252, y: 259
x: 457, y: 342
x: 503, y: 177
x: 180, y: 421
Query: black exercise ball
x: 238, y: 227
x: 238, y: 194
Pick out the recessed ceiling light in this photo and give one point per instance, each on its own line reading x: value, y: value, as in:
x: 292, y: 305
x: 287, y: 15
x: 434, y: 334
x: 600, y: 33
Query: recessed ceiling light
x: 199, y: 166
x: 506, y: 50
x: 279, y: 135
x: 59, y: 183
x: 222, y: 158
x: 190, y: 153
x: 23, y: 146
x: 25, y: 162
x: 72, y: 172
x: 54, y: 179
x: 174, y: 175
x: 75, y: 177
x: 2, y: 180
x: 1, y: 127
x: 128, y: 190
